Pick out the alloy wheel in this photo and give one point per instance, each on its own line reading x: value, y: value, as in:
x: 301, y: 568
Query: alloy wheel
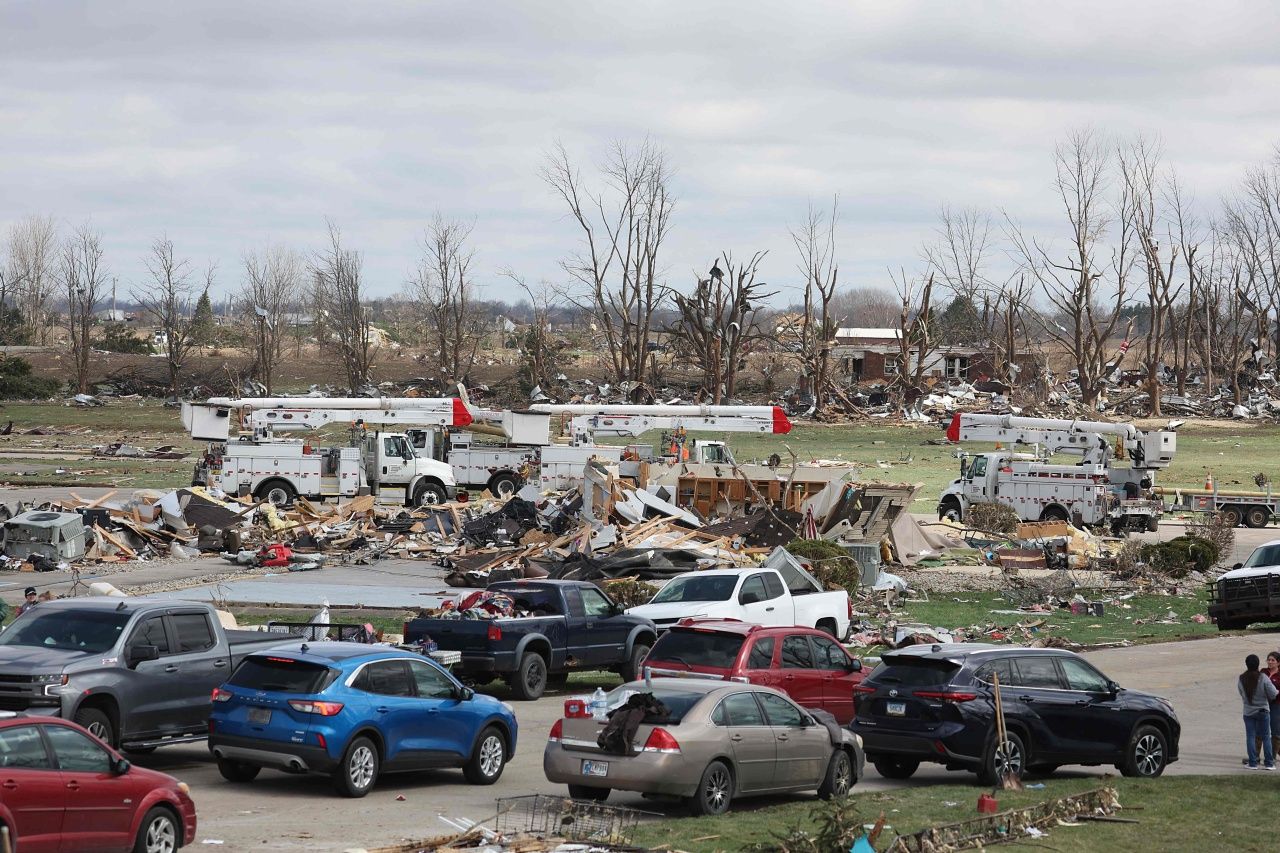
x: 98, y: 730
x: 360, y: 767
x: 843, y: 776
x: 161, y: 835
x: 1008, y: 760
x: 491, y: 755
x: 1148, y: 755
x: 717, y: 789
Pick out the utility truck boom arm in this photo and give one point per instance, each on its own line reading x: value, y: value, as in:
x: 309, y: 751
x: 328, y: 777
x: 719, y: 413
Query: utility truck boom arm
x: 588, y: 421
x: 1058, y: 435
x: 265, y: 416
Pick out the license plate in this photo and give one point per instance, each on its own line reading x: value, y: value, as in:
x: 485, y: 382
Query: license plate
x: 260, y: 715
x: 595, y: 768
x: 896, y: 709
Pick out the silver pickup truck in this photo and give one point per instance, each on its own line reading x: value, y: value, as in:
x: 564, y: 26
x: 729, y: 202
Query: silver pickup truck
x: 136, y: 672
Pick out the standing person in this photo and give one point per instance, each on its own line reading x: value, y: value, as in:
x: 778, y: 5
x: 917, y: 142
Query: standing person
x: 1257, y: 693
x: 30, y: 595
x: 1273, y: 674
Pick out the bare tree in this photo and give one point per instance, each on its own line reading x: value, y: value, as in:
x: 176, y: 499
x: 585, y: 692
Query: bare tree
x: 1182, y: 315
x: 538, y: 345
x: 1009, y: 306
x: 623, y: 229
x: 959, y: 257
x: 914, y: 332
x: 1140, y: 170
x: 33, y: 272
x: 815, y: 241
x: 716, y: 323
x: 867, y: 307
x: 1086, y: 290
x: 84, y: 280
x: 273, y: 279
x: 444, y: 292
x: 167, y: 300
x: 339, y: 275
x: 1233, y: 281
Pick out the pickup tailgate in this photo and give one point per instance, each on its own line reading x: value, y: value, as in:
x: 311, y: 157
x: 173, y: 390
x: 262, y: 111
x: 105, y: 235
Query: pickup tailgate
x: 476, y: 636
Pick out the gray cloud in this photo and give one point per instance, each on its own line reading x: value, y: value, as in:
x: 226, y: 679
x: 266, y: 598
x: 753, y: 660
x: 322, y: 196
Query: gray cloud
x: 233, y: 124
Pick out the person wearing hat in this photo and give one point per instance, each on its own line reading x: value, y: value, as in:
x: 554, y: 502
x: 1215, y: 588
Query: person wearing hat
x: 30, y: 595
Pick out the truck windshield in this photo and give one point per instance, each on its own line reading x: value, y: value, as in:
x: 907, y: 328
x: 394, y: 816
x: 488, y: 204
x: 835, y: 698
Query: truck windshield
x: 715, y: 588
x: 86, y: 631
x: 1267, y: 555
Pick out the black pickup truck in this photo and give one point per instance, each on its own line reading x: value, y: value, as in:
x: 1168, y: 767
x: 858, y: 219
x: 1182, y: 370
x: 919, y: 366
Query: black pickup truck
x: 135, y: 672
x: 576, y: 627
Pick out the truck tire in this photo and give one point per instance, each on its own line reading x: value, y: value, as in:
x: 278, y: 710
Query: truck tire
x: 1256, y: 516
x: 828, y: 625
x: 1054, y: 513
x: 530, y: 679
x: 98, y: 724
x: 276, y: 492
x: 428, y: 493
x: 1153, y: 524
x: 1232, y: 515
x: 504, y: 485
x: 632, y: 669
x: 949, y: 510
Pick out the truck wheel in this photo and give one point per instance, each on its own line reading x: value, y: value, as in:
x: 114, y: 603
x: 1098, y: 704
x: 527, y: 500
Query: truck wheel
x: 504, y: 486
x: 632, y: 669
x: 1054, y: 513
x: 530, y: 680
x: 828, y: 625
x: 278, y: 493
x: 1256, y: 516
x: 429, y: 494
x: 98, y: 724
x: 1153, y: 524
x: 949, y: 510
x: 1232, y: 515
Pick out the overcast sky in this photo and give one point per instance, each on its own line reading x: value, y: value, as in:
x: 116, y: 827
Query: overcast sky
x: 232, y: 124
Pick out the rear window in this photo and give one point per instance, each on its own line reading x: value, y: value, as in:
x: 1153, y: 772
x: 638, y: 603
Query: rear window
x: 282, y: 675
x: 697, y: 648
x: 678, y: 702
x: 538, y: 600
x: 914, y: 673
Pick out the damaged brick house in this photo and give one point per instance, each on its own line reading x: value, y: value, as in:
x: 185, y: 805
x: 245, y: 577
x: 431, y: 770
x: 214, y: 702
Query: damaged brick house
x: 873, y: 355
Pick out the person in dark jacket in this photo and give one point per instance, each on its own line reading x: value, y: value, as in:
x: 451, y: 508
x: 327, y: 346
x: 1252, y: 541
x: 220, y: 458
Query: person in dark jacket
x: 1257, y: 692
x: 29, y: 594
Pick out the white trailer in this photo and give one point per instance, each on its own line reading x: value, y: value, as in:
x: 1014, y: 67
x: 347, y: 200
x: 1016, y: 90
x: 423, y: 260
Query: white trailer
x: 257, y: 461
x: 1092, y: 492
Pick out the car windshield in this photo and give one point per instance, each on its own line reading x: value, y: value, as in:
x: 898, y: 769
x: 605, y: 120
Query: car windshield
x: 912, y: 672
x: 714, y: 588
x: 697, y: 648
x: 281, y: 675
x: 1267, y: 555
x: 85, y: 631
x: 677, y: 702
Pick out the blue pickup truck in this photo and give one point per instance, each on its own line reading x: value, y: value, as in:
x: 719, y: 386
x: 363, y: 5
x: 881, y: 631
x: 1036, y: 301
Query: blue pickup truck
x: 575, y: 627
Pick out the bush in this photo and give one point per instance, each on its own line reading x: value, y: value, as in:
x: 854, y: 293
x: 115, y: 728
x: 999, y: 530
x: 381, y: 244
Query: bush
x: 1179, y: 556
x: 630, y: 592
x: 993, y: 518
x: 117, y: 337
x: 1214, y: 527
x: 832, y: 565
x: 17, y: 383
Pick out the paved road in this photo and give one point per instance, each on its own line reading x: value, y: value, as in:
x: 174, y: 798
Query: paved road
x: 281, y: 812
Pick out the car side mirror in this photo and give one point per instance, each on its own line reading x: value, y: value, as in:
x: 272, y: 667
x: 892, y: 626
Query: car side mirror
x: 1113, y: 687
x: 120, y: 766
x: 855, y: 665
x: 140, y: 653
x: 466, y: 694
x: 1237, y: 566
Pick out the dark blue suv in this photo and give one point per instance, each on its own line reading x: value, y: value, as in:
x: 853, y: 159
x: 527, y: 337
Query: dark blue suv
x: 355, y: 711
x: 937, y: 703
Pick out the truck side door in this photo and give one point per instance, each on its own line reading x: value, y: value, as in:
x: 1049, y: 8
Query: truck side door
x: 606, y: 629
x: 202, y: 666
x: 151, y: 689
x: 577, y: 637
x: 975, y: 486
x: 396, y: 462
x: 761, y: 606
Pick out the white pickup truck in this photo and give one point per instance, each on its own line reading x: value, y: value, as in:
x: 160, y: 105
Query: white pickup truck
x: 761, y: 596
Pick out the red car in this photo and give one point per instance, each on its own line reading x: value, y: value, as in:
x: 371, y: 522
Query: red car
x: 805, y: 663
x: 62, y: 789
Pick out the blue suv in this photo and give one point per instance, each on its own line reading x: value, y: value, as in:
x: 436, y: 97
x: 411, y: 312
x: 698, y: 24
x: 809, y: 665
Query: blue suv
x: 354, y: 711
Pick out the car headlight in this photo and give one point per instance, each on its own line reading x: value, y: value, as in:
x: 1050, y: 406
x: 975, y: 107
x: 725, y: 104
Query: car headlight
x: 184, y: 788
x: 51, y: 684
x: 510, y: 708
x: 1168, y: 706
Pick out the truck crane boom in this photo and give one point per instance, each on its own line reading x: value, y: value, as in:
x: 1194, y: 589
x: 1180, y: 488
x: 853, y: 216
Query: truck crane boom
x: 1145, y: 450
x: 264, y: 416
x: 588, y: 421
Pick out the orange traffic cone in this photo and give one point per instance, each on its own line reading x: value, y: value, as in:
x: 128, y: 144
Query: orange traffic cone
x: 1208, y: 482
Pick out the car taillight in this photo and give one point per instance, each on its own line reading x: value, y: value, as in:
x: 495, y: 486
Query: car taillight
x: 324, y: 709
x: 946, y: 695
x: 557, y: 732
x: 741, y: 679
x: 660, y: 740
x: 495, y: 633
x: 220, y: 695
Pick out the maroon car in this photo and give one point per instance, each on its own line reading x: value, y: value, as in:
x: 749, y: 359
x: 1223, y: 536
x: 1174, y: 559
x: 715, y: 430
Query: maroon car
x: 63, y: 789
x: 805, y: 663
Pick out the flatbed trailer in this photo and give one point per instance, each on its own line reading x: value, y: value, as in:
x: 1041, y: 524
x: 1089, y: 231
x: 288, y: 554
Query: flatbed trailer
x: 1240, y: 508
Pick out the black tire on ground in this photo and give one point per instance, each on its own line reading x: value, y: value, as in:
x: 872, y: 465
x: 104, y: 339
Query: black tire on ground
x: 1232, y: 624
x: 996, y: 763
x: 428, y: 494
x: 582, y: 792
x: 1233, y: 515
x: 276, y: 492
x: 840, y: 777
x: 634, y: 667
x: 1256, y: 516
x: 1153, y: 524
x: 504, y: 485
x: 98, y: 724
x: 893, y: 767
x: 358, y: 770
x: 1146, y: 755
x: 159, y: 832
x: 487, y: 759
x: 1054, y: 513
x: 238, y: 771
x: 828, y: 625
x: 530, y: 679
x: 949, y: 510
x: 715, y: 791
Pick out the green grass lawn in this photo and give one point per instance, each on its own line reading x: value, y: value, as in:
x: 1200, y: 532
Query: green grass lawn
x: 1175, y: 813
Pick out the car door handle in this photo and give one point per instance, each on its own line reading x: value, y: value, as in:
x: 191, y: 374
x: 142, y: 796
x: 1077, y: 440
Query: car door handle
x: 219, y: 663
x: 1027, y: 699
x: 382, y: 709
x: 782, y: 737
x: 734, y: 738
x: 73, y: 785
x: 171, y: 668
x: 768, y: 610
x: 10, y: 784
